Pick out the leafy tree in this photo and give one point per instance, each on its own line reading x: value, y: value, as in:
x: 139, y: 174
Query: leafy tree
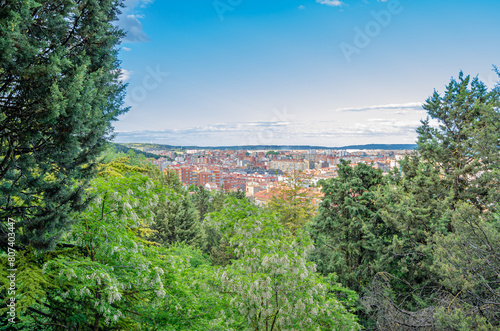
x: 93, y: 286
x: 348, y: 231
x: 59, y: 93
x: 293, y: 202
x: 212, y: 241
x: 190, y: 303
x: 271, y: 285
x: 108, y: 276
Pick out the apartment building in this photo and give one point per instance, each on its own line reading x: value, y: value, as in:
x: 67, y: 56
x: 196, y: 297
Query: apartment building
x: 291, y: 165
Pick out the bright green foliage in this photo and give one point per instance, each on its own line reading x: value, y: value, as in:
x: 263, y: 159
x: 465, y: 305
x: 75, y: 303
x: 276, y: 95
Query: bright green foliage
x: 211, y: 201
x: 118, y: 268
x: 271, y: 285
x: 59, y: 93
x: 31, y: 283
x: 190, y: 303
x: 118, y: 150
x: 207, y: 202
x: 348, y: 231
x: 119, y: 167
x: 109, y: 276
x: 293, y: 203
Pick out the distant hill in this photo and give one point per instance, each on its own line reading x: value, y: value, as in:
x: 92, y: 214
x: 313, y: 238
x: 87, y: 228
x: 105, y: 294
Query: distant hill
x: 140, y: 146
x: 122, y: 148
x: 388, y: 147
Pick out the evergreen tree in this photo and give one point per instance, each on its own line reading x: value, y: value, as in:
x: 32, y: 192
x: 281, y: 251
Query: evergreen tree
x: 59, y: 92
x: 439, y: 209
x: 177, y: 221
x: 465, y: 145
x: 202, y: 200
x: 348, y: 231
x: 468, y: 263
x: 238, y: 194
x: 413, y: 206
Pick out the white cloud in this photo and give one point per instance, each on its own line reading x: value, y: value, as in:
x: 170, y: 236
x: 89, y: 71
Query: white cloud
x: 326, y: 133
x: 130, y: 22
x: 126, y: 49
x: 131, y: 5
x: 333, y: 3
x: 301, y: 7
x: 402, y: 106
x: 124, y: 75
x: 133, y: 30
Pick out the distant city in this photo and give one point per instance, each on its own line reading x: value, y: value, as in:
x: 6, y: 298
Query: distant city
x: 257, y: 172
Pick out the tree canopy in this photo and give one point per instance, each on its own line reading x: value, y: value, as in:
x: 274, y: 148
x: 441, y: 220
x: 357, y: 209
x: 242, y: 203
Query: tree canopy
x: 59, y: 93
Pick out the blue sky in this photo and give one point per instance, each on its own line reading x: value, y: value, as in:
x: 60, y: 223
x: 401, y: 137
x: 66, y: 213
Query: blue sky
x: 307, y: 72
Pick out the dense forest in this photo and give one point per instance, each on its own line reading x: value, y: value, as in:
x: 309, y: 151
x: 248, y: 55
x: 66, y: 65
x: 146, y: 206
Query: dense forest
x: 98, y: 239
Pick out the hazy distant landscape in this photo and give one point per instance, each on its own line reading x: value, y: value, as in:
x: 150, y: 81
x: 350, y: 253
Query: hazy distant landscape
x: 271, y: 147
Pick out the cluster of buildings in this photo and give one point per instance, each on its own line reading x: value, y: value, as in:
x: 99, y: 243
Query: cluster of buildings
x: 258, y: 172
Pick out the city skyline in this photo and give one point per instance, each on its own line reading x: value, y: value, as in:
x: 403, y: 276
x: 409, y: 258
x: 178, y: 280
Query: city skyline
x: 292, y: 72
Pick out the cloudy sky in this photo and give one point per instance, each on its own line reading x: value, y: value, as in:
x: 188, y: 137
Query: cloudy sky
x: 305, y: 72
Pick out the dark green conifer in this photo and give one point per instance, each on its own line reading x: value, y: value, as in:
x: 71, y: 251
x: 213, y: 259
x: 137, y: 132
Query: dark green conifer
x: 348, y: 229
x: 464, y: 142
x: 177, y: 221
x: 59, y: 93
